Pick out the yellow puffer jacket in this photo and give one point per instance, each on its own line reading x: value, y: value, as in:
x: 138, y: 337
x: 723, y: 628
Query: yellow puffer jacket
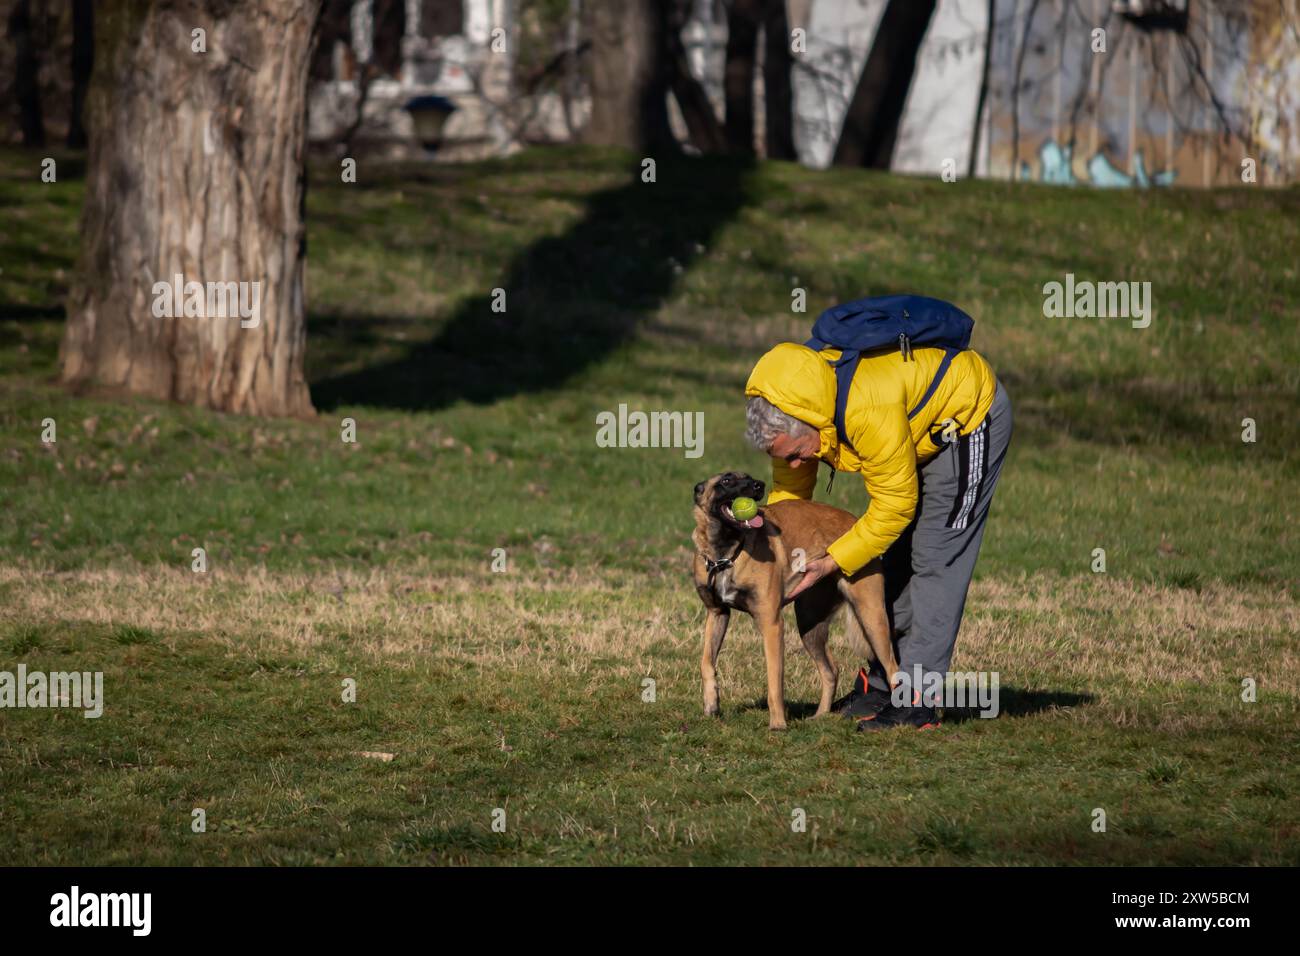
x: 886, y: 447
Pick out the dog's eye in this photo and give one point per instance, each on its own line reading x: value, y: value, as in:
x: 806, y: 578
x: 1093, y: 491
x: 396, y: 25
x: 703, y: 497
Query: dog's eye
x: 699, y: 489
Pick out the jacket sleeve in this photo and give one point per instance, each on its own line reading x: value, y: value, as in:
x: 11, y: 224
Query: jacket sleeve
x: 883, y: 441
x: 790, y: 482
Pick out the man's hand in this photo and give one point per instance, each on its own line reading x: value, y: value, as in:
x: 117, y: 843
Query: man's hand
x: 814, y: 571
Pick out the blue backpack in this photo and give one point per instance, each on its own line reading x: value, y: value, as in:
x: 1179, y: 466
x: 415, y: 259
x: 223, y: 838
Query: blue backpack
x: 883, y: 322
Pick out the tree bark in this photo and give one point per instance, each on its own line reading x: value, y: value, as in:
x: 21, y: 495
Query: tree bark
x: 778, y: 98
x: 629, y: 74
x: 1023, y: 41
x: 871, y: 123
x: 738, y: 77
x: 83, y: 61
x: 27, y: 66
x: 702, y: 125
x: 982, y: 99
x: 195, y: 169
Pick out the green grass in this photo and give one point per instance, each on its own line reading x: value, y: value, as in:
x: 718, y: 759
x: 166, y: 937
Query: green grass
x: 523, y: 690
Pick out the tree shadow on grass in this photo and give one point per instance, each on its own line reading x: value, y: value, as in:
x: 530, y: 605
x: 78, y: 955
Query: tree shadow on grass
x: 16, y: 312
x: 570, y: 300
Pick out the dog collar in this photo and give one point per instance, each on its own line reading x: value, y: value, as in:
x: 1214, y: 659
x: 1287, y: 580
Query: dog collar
x: 714, y: 565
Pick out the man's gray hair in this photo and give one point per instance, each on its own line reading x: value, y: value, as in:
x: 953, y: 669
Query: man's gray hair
x: 764, y: 422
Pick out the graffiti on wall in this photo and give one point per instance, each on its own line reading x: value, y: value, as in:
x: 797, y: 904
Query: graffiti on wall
x: 1054, y: 167
x: 1082, y: 94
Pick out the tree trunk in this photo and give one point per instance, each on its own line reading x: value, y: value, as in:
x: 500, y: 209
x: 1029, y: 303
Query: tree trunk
x: 1023, y: 41
x: 27, y: 66
x: 83, y: 60
x: 195, y: 169
x: 702, y: 124
x: 982, y: 99
x: 629, y: 74
x: 871, y: 123
x: 738, y: 76
x: 778, y: 99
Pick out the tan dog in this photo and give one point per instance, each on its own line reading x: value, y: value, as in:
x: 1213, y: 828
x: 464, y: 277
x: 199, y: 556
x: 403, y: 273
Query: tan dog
x: 751, y: 565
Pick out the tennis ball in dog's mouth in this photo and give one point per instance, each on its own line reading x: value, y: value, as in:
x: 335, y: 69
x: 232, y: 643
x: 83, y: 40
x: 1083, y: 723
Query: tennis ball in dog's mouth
x: 744, y: 508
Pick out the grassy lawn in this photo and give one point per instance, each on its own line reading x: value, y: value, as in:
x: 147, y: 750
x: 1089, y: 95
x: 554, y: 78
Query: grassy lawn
x: 523, y: 691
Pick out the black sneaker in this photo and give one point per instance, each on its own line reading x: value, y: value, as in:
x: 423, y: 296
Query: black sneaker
x: 922, y: 718
x: 862, y: 701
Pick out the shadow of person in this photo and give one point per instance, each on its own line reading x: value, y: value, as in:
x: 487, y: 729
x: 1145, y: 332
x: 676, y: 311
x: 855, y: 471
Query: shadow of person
x: 1012, y: 702
x: 1021, y: 702
x: 794, y: 709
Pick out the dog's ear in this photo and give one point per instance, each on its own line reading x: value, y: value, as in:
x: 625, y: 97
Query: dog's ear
x: 699, y: 490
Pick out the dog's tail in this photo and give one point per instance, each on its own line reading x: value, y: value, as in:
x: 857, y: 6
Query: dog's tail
x: 858, y: 643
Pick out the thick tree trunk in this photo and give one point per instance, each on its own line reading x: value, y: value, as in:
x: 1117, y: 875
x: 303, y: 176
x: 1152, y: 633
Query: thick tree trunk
x: 778, y: 99
x: 702, y: 124
x: 629, y: 74
x: 871, y: 123
x: 738, y: 76
x: 27, y: 67
x: 195, y: 170
x: 83, y: 60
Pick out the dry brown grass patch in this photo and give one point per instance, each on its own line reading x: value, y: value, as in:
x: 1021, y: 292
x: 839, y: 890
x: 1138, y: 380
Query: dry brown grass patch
x: 1101, y: 630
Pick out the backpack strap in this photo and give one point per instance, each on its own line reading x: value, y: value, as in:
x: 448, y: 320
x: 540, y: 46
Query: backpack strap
x: 844, y: 367
x: 934, y: 383
x: 847, y: 364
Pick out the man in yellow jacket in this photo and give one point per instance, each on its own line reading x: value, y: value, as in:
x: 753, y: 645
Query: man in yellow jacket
x: 930, y: 477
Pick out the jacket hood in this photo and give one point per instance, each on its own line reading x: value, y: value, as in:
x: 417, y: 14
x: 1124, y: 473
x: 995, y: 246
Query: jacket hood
x: 798, y: 381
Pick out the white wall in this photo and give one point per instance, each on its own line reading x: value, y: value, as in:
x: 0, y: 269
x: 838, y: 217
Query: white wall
x: 940, y: 115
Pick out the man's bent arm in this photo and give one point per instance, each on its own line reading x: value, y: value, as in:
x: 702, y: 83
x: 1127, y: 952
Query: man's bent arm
x: 884, y: 442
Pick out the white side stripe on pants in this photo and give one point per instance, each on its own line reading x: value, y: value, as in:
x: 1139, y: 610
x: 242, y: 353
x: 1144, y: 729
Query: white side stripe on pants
x: 975, y: 456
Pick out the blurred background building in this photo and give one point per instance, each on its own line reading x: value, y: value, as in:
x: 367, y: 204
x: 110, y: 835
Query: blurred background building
x: 1182, y: 92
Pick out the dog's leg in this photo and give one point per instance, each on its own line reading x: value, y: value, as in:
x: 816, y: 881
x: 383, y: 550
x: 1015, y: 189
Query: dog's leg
x: 715, y: 629
x: 773, y: 630
x: 866, y: 597
x: 856, y: 636
x: 813, y: 613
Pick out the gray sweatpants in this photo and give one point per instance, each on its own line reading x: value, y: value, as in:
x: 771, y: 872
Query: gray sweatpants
x: 928, y: 569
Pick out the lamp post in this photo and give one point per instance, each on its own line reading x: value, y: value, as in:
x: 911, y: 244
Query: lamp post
x: 429, y: 115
